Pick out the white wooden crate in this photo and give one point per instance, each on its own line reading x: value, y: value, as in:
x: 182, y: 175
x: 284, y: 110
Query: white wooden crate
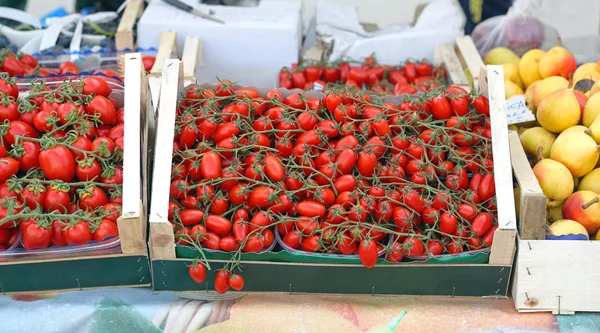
x: 549, y: 275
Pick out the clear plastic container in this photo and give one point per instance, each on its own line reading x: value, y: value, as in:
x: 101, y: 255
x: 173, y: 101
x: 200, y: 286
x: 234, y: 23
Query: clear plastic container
x: 87, y: 61
x: 442, y: 256
x: 269, y: 249
x: 318, y: 254
x: 8, y: 254
x: 107, y: 246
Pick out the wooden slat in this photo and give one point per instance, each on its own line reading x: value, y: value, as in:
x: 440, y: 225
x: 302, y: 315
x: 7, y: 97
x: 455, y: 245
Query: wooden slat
x: 491, y: 82
x: 124, y: 35
x: 133, y: 218
x: 191, y: 58
x: 500, y: 146
x: 467, y: 52
x: 532, y: 202
x: 162, y: 243
x: 445, y: 54
x: 167, y: 49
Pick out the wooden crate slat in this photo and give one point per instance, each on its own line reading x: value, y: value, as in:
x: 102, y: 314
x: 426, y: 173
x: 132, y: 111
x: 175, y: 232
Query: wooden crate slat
x: 491, y: 83
x: 191, y: 57
x: 124, y: 35
x: 532, y: 200
x: 167, y: 49
x: 467, y: 52
x: 444, y: 54
x: 500, y: 146
x: 162, y: 242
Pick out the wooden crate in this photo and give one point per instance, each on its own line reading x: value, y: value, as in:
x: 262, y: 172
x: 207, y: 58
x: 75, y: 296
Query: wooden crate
x: 488, y: 280
x: 128, y: 267
x: 556, y: 276
x: 124, y: 36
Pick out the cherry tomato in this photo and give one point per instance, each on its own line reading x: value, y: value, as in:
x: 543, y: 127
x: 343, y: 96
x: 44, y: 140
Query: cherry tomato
x: 222, y: 281
x: 367, y: 253
x: 78, y: 233
x: 106, y: 229
x: 57, y: 163
x: 197, y: 272
x: 236, y: 282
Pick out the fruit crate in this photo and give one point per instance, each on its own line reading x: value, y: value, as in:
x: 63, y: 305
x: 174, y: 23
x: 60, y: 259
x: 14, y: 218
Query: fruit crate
x: 270, y: 272
x: 125, y: 265
x: 550, y: 275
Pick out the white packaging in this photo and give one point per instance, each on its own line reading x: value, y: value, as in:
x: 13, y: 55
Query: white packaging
x: 440, y: 23
x: 250, y: 48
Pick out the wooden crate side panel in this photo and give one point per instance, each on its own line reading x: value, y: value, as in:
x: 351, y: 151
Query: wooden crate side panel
x: 162, y: 243
x: 532, y: 217
x: 469, y: 55
x: 444, y: 54
x: 124, y: 35
x: 558, y: 276
x: 75, y: 273
x: 441, y: 280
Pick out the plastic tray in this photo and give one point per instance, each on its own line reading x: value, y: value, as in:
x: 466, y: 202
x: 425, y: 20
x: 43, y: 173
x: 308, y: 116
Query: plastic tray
x: 269, y: 249
x: 107, y: 246
x: 318, y: 254
x: 444, y: 256
x: 9, y: 253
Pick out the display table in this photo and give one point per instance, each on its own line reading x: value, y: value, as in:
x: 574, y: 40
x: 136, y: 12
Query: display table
x: 135, y: 310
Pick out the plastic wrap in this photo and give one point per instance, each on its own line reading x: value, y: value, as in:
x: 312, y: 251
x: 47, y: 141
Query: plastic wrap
x: 518, y: 30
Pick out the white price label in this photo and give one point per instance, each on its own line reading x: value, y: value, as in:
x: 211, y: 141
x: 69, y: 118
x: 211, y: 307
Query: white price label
x: 517, y: 110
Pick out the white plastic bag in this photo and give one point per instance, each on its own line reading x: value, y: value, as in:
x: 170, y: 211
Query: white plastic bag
x: 518, y: 30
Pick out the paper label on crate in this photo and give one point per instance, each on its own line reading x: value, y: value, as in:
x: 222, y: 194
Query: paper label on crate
x: 517, y: 110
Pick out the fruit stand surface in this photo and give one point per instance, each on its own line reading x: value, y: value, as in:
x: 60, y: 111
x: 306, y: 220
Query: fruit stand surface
x: 142, y: 310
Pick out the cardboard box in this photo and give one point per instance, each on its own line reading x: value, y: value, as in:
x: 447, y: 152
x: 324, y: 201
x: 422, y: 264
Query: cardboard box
x: 250, y: 48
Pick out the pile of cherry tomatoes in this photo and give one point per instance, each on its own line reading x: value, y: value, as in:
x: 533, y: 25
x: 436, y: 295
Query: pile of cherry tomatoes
x: 26, y: 65
x: 368, y: 75
x: 340, y: 173
x: 61, y: 153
